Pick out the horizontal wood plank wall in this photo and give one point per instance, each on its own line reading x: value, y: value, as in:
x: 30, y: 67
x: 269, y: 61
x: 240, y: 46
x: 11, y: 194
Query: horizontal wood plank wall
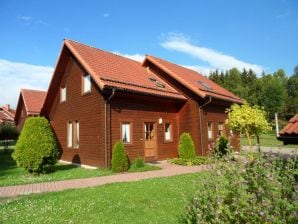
x: 138, y: 109
x: 21, y: 120
x: 215, y: 113
x: 88, y: 110
x: 189, y: 120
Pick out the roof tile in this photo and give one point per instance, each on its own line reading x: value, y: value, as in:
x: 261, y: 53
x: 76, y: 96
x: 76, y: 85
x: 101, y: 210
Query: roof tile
x: 198, y: 83
x: 33, y: 100
x: 111, y: 70
x: 291, y: 128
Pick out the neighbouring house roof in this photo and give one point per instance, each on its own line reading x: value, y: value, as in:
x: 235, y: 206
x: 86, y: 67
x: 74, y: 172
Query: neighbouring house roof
x: 6, y: 114
x: 194, y: 81
x: 33, y: 100
x: 114, y: 71
x: 291, y: 128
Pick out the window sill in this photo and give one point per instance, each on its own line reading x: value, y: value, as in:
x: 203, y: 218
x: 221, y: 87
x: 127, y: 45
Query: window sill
x: 86, y: 93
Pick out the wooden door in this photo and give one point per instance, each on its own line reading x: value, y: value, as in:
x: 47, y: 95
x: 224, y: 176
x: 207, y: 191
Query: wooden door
x: 150, y: 140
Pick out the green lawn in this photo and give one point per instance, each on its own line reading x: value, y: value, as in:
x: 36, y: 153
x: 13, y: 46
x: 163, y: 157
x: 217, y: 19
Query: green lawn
x: 267, y: 140
x: 159, y: 200
x: 10, y: 174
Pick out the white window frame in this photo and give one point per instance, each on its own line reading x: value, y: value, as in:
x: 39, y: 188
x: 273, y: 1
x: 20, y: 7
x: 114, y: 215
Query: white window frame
x: 221, y: 132
x: 62, y: 94
x: 168, y: 133
x: 210, y: 129
x: 76, y: 134
x: 86, y: 84
x: 69, y: 134
x: 126, y: 130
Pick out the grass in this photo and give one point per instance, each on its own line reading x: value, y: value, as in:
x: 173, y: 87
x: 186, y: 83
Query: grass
x: 268, y: 140
x: 159, y: 200
x: 146, y: 167
x: 10, y: 174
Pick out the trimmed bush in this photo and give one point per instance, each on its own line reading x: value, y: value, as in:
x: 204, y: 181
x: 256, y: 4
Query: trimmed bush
x: 199, y: 160
x: 137, y: 163
x: 119, y: 158
x: 251, y: 190
x: 37, y: 146
x: 221, y: 147
x: 186, y: 148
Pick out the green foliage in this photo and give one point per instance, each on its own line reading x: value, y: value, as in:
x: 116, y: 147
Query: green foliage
x: 36, y: 146
x: 198, y: 160
x: 8, y: 132
x: 254, y: 190
x: 119, y: 158
x: 186, y: 148
x: 247, y: 120
x: 137, y: 163
x: 258, y: 90
x: 221, y: 147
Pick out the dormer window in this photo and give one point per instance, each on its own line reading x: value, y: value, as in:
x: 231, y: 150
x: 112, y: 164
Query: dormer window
x: 63, y: 94
x: 86, y: 84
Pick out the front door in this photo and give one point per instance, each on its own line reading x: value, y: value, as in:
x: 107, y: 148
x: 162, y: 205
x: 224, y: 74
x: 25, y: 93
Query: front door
x: 150, y: 141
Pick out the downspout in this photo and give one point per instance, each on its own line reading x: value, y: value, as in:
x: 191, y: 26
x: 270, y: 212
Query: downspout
x: 106, y: 141
x: 201, y: 128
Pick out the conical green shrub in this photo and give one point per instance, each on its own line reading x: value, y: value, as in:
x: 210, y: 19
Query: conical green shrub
x: 36, y: 146
x: 186, y: 148
x: 119, y: 158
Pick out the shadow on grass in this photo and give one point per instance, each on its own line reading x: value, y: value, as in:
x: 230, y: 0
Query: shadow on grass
x: 6, y: 160
x: 59, y: 167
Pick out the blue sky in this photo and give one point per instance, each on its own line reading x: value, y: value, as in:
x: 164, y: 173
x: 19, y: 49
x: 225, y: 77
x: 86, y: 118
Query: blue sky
x: 202, y: 35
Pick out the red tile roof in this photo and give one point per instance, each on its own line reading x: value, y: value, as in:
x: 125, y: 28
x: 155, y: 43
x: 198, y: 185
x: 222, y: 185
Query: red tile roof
x: 196, y: 82
x: 6, y: 114
x: 111, y: 70
x: 291, y: 128
x: 33, y: 100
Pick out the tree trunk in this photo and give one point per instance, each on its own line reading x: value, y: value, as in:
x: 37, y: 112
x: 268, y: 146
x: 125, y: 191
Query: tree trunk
x: 258, y: 142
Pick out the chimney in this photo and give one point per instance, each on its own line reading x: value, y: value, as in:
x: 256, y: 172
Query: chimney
x: 7, y: 107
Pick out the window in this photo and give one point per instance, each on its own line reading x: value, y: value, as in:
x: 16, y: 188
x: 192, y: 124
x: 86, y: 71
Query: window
x: 125, y: 133
x: 86, y: 84
x: 220, y: 128
x: 76, y: 135
x: 168, y: 132
x: 73, y: 134
x: 149, y: 131
x: 69, y: 134
x: 210, y: 131
x: 63, y: 94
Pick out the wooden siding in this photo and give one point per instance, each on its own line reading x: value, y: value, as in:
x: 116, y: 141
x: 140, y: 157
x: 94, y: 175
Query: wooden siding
x: 137, y: 110
x: 21, y: 119
x: 189, y: 115
x: 88, y: 110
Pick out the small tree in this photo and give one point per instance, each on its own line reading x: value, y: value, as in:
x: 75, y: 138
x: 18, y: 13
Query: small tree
x: 37, y: 146
x: 247, y: 120
x: 119, y: 158
x: 8, y: 132
x: 186, y: 148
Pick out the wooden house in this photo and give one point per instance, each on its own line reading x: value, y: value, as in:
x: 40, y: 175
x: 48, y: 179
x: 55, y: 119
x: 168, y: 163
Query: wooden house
x: 97, y: 98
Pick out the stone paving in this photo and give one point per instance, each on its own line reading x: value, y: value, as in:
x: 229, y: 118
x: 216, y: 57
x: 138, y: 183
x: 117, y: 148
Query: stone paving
x: 166, y: 171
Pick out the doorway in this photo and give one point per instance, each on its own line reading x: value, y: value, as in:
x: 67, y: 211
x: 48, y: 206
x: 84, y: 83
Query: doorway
x: 150, y: 137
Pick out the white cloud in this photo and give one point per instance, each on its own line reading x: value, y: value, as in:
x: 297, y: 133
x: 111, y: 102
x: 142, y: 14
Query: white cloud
x: 136, y: 57
x: 200, y: 69
x: 106, y: 15
x: 15, y: 76
x: 215, y: 59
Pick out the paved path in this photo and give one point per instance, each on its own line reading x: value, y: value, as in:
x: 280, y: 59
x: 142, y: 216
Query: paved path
x: 167, y: 170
